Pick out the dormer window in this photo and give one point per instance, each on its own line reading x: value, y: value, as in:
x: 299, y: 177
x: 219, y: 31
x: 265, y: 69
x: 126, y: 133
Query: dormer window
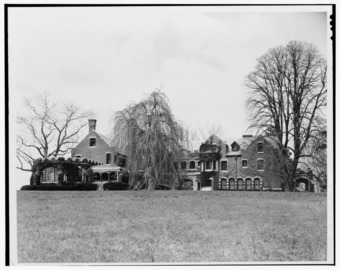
x: 235, y: 147
x: 92, y: 142
x: 260, y: 147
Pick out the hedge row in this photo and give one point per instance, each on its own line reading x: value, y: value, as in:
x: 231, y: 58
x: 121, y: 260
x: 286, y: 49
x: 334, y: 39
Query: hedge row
x: 77, y: 186
x: 115, y: 186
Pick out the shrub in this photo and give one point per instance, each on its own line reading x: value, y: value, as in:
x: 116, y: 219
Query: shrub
x: 76, y: 186
x: 86, y: 186
x: 115, y: 186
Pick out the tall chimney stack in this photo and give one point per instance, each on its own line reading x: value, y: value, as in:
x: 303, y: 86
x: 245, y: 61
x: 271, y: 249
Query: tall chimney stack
x: 92, y: 124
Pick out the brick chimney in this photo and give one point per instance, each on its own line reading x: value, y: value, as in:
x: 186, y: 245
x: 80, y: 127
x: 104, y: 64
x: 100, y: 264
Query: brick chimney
x: 92, y: 124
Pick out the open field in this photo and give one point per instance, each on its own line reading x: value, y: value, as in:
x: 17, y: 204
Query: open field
x: 170, y: 226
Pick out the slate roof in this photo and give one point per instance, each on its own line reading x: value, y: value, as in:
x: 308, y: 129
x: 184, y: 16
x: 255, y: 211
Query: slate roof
x: 243, y: 142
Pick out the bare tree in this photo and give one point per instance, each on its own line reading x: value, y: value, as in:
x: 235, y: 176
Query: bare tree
x: 47, y: 130
x: 288, y: 92
x: 317, y: 160
x: 152, y: 140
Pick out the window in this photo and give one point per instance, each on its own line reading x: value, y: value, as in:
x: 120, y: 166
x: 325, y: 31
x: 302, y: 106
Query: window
x: 244, y: 163
x: 232, y: 184
x: 92, y: 142
x: 260, y: 147
x: 49, y: 175
x: 260, y: 165
x: 208, y: 165
x: 78, y: 156
x: 224, y: 165
x: 192, y: 165
x: 239, y: 184
x: 108, y: 158
x: 223, y: 183
x: 248, y: 184
x: 235, y: 147
x: 257, y: 184
x: 175, y: 165
x: 113, y: 176
x: 183, y: 165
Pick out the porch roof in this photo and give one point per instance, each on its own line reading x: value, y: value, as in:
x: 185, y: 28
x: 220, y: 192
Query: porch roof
x: 106, y: 168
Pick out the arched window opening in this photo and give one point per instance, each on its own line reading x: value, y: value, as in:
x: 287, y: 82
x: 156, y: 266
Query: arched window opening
x: 108, y: 158
x: 183, y: 165
x: 257, y: 184
x: 223, y: 183
x: 240, y: 184
x: 232, y: 184
x: 105, y: 176
x: 192, y: 165
x: 235, y: 147
x: 248, y: 184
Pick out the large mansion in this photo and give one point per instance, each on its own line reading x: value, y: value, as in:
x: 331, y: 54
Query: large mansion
x: 246, y: 163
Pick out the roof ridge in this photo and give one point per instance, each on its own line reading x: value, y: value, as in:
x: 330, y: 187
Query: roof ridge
x: 105, y: 138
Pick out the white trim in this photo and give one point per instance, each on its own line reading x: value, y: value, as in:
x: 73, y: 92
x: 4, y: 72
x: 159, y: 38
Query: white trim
x: 257, y: 164
x: 242, y: 165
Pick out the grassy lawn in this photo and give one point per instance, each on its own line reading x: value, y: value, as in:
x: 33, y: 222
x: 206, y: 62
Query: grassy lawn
x: 170, y: 226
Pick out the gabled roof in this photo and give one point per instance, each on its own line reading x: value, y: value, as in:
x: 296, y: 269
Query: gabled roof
x: 108, y: 140
x: 242, y: 142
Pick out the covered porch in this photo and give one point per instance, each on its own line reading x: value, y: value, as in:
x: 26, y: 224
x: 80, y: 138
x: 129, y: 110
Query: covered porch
x: 104, y: 173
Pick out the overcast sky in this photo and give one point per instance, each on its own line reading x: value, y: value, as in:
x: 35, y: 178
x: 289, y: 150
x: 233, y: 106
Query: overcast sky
x: 103, y: 58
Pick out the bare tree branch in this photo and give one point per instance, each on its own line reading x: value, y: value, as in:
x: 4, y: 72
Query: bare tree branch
x: 48, y: 129
x: 287, y: 96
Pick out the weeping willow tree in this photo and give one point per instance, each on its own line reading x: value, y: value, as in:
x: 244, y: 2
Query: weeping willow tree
x: 152, y: 140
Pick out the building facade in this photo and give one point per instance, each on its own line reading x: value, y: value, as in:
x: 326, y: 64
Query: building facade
x: 247, y: 163
x: 100, y: 149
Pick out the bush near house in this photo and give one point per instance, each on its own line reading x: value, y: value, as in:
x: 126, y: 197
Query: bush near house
x: 115, y: 186
x: 77, y: 186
